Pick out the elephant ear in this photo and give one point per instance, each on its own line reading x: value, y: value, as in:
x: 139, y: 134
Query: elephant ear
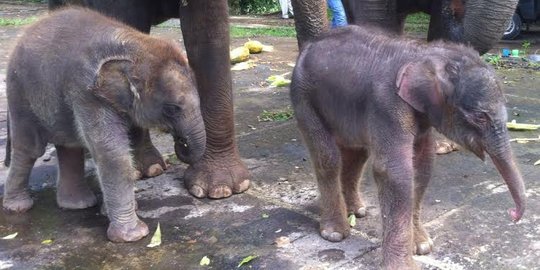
x: 424, y: 85
x: 114, y: 84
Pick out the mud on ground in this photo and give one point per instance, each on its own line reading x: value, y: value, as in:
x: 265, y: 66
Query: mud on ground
x: 277, y: 219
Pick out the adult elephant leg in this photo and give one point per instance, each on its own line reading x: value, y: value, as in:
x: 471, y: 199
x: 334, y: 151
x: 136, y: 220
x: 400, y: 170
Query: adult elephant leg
x: 309, y: 18
x: 381, y: 13
x: 220, y: 173
x: 447, y: 20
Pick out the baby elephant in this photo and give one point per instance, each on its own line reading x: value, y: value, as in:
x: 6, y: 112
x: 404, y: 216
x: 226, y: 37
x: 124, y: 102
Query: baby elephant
x: 78, y: 80
x: 357, y: 93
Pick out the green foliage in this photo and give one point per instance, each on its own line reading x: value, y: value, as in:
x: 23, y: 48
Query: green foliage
x: 278, y: 115
x: 417, y: 23
x: 253, y: 6
x: 16, y: 21
x: 249, y: 32
x: 493, y: 59
x: 525, y: 47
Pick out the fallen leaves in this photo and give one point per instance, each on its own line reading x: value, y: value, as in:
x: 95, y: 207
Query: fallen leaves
x: 520, y: 126
x: 352, y: 220
x: 204, y: 261
x: 156, y: 238
x: 47, y: 242
x: 246, y: 260
x: 243, y: 65
x: 278, y: 80
x: 11, y: 236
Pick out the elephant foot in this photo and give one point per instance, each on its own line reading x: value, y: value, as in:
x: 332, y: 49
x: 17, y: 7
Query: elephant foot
x: 445, y: 146
x: 75, y: 198
x: 356, y: 207
x: 423, y: 244
x: 149, y: 162
x: 400, y: 263
x: 335, y: 231
x: 19, y: 203
x: 359, y: 212
x: 131, y: 232
x: 217, y: 178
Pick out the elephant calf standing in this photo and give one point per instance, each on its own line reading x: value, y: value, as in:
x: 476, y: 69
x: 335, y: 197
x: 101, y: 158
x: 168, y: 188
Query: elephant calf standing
x: 78, y: 79
x: 357, y: 93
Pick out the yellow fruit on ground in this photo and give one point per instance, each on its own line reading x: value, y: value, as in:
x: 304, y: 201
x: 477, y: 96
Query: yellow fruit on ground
x: 239, y: 54
x: 254, y: 46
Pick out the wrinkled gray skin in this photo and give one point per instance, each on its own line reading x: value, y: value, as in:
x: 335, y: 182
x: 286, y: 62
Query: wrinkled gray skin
x: 394, y: 93
x: 76, y: 89
x: 220, y: 173
x: 480, y: 23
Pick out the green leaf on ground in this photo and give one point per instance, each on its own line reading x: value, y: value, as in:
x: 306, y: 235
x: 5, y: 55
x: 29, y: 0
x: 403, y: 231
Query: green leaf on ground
x: 352, y: 220
x: 11, y: 236
x: 519, y: 126
x: 204, y: 261
x: 246, y: 260
x: 156, y: 239
x: 47, y: 242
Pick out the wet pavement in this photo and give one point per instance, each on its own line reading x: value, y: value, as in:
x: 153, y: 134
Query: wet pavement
x: 277, y: 219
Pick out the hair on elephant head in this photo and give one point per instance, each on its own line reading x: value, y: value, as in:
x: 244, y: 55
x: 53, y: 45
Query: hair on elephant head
x: 358, y: 93
x: 161, y: 94
x: 96, y: 89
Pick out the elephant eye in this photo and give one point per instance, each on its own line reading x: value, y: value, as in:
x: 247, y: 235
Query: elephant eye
x: 481, y: 117
x: 171, y: 110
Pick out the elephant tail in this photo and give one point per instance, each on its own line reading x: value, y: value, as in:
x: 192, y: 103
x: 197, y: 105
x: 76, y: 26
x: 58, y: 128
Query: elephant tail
x: 7, y: 158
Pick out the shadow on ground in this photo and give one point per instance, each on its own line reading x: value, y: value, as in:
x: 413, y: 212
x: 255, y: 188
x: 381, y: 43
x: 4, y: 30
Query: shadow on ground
x: 277, y: 219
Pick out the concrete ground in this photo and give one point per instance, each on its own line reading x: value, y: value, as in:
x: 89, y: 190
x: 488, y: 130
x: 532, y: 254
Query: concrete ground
x: 277, y: 219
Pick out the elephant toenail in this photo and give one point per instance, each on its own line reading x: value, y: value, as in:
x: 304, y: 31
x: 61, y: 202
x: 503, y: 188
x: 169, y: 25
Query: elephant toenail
x: 423, y: 248
x: 361, y: 212
x: 243, y: 186
x: 154, y: 170
x: 197, y: 191
x: 220, y: 192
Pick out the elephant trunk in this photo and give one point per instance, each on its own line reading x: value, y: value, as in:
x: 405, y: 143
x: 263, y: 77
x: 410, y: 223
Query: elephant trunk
x: 190, y: 144
x: 485, y: 21
x: 501, y: 154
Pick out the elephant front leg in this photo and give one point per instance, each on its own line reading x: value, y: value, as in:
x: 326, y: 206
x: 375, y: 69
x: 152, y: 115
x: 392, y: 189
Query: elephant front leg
x: 220, y: 172
x: 393, y: 172
x: 423, y: 164
x: 72, y: 190
x: 148, y: 160
x: 108, y: 142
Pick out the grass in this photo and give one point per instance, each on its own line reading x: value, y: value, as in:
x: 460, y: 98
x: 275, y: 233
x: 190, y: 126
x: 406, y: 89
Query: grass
x: 17, y: 21
x: 417, y: 23
x: 277, y: 115
x: 248, y: 32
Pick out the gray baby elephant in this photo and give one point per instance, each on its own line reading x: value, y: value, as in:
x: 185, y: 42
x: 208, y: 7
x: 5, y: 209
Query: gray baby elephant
x: 78, y: 79
x: 357, y: 93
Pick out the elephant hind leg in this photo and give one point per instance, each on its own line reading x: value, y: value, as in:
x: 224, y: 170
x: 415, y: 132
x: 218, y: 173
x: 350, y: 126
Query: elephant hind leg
x: 326, y: 160
x: 72, y: 191
x: 353, y: 161
x: 26, y: 147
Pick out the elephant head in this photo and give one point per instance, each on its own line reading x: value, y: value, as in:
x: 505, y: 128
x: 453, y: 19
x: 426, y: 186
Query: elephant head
x: 463, y: 100
x: 156, y: 95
